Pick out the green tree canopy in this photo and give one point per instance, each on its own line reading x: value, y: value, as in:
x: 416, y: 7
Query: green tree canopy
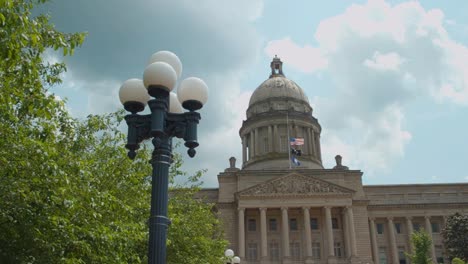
x: 421, y: 244
x: 455, y: 236
x: 68, y: 192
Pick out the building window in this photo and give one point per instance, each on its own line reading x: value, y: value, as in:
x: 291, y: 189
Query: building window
x: 380, y: 228
x: 335, y: 223
x: 338, y: 250
x: 398, y: 228
x: 274, y: 251
x: 284, y: 144
x: 439, y: 254
x: 295, y: 249
x: 416, y: 227
x: 382, y: 255
x: 435, y: 227
x: 252, y: 225
x: 401, y: 255
x: 273, y: 224
x: 252, y: 251
x: 316, y: 251
x: 293, y: 224
x: 314, y: 224
x: 265, y: 145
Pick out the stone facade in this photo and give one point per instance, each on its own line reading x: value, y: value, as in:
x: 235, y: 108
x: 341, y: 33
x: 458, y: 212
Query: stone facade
x: 273, y: 212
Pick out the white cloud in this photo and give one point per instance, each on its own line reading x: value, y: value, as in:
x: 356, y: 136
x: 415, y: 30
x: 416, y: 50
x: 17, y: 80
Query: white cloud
x: 380, y: 58
x: 390, y: 61
x: 305, y: 59
x: 215, y: 41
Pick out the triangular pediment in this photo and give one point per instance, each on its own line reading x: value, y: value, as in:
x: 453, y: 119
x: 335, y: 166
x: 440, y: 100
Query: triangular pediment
x: 295, y: 184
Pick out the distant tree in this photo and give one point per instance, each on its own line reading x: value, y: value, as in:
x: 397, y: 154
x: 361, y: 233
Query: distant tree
x: 455, y: 235
x: 421, y: 244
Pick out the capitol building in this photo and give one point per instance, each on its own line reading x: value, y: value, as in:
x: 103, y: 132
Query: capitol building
x: 274, y: 211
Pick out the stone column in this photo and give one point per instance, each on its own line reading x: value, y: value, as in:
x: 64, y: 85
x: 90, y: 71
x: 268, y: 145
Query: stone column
x: 409, y: 227
x: 352, y: 232
x: 308, y: 233
x: 427, y: 220
x: 346, y: 233
x: 329, y: 232
x: 373, y: 234
x: 319, y: 149
x: 297, y: 128
x: 251, y: 145
x: 241, y: 232
x: 393, y: 246
x: 285, y: 232
x: 257, y: 143
x: 263, y: 233
x: 270, y: 139
x: 276, y: 147
x: 312, y: 141
x: 244, y: 149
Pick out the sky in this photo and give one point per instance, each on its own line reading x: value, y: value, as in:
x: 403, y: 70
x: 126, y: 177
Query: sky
x: 388, y: 80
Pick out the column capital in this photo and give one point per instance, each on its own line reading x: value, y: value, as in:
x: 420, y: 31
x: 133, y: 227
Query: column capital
x: 390, y: 218
x: 241, y: 209
x: 409, y: 218
x: 304, y: 208
x: 283, y: 208
x: 327, y: 207
x: 427, y: 217
x: 262, y: 209
x: 372, y: 219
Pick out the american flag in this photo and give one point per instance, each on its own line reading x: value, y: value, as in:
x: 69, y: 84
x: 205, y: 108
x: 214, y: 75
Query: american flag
x: 296, y: 141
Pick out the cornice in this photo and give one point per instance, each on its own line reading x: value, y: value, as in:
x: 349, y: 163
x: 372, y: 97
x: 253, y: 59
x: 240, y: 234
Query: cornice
x: 416, y: 206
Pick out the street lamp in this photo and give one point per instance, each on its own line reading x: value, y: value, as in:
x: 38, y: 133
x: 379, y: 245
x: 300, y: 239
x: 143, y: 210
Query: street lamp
x: 229, y: 254
x: 167, y: 120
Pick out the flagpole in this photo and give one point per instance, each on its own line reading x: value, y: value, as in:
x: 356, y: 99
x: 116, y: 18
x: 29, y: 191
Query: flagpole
x: 289, y: 139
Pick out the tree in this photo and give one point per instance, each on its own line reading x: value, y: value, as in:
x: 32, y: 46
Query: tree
x: 455, y: 236
x: 195, y: 235
x: 421, y: 244
x: 68, y: 192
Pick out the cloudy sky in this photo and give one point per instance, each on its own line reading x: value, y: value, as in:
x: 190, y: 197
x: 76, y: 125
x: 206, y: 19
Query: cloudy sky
x: 388, y: 81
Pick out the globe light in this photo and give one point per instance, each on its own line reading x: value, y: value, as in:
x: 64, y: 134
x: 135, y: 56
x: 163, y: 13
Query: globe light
x: 133, y: 95
x: 159, y: 74
x: 174, y: 104
x: 229, y: 253
x: 169, y: 58
x: 236, y: 260
x: 193, y: 93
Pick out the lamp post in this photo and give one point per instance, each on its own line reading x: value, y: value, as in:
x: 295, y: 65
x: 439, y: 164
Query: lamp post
x: 166, y: 120
x: 229, y: 254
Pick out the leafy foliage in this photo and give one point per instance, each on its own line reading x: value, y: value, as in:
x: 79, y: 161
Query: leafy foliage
x: 457, y: 261
x: 195, y: 234
x: 455, y: 236
x: 68, y: 192
x: 421, y: 244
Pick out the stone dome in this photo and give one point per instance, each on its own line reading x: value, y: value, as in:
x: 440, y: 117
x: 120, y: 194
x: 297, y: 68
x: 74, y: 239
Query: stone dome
x: 278, y: 86
x: 278, y: 111
x: 278, y: 93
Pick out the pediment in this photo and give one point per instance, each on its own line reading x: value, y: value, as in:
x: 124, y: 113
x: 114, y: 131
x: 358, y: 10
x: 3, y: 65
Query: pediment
x: 295, y: 184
